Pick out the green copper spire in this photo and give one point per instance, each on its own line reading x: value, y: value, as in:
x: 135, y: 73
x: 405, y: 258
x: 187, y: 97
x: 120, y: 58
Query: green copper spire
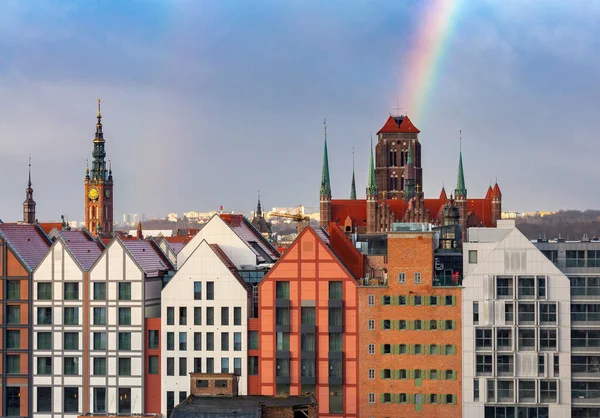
x: 325, y: 183
x: 461, y: 189
x: 353, y: 186
x: 372, y: 185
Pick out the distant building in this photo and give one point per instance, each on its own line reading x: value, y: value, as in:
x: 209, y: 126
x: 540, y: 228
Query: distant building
x: 260, y: 223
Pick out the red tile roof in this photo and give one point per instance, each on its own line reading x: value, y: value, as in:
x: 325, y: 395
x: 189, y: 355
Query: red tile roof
x: 345, y: 251
x: 84, y: 248
x: 49, y: 226
x: 497, y: 192
x: 407, y: 126
x: 398, y: 124
x: 149, y: 256
x: 29, y: 242
x: 244, y: 229
x: 489, y: 192
x: 443, y: 195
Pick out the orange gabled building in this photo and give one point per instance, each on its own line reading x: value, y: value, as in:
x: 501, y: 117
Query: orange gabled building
x: 308, y: 325
x: 409, y: 333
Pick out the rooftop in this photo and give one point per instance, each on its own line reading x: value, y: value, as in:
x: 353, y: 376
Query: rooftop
x: 149, y: 256
x: 83, y: 246
x: 29, y: 242
x: 243, y: 228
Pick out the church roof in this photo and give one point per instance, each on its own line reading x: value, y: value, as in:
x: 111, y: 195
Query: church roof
x: 489, y: 193
x: 443, y: 195
x: 398, y: 124
x: 497, y: 192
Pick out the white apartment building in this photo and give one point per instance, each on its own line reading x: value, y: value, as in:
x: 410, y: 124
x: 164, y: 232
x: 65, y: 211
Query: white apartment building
x: 60, y: 327
x: 516, y: 328
x: 206, y: 305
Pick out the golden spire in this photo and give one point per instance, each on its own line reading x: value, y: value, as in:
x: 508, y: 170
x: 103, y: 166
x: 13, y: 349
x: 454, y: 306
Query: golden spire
x: 99, y: 115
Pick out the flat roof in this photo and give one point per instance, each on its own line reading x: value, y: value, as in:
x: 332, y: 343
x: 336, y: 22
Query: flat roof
x: 239, y: 406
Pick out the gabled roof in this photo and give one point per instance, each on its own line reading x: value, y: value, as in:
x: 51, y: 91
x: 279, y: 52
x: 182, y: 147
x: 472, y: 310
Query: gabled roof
x: 398, y: 124
x: 443, y: 195
x: 489, y: 193
x: 346, y: 252
x: 243, y: 228
x: 85, y: 249
x: 228, y: 263
x: 148, y: 256
x: 28, y: 241
x: 49, y: 226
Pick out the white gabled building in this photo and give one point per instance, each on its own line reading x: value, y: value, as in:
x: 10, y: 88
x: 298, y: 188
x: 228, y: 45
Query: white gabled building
x: 60, y: 326
x: 206, y: 305
x: 516, y: 328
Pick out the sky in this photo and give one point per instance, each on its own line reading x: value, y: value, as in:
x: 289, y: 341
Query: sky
x: 207, y: 102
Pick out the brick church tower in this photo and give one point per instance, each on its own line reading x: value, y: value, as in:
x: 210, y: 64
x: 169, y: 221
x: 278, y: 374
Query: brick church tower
x: 99, y: 188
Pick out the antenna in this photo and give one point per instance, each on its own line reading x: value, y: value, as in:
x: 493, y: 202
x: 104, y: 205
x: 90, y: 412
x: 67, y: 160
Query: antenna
x: 460, y: 139
x: 325, y: 127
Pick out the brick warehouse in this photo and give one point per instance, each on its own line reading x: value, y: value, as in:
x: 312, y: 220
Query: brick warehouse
x: 409, y: 333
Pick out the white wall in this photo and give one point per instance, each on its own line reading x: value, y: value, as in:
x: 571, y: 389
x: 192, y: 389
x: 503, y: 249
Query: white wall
x: 203, y: 266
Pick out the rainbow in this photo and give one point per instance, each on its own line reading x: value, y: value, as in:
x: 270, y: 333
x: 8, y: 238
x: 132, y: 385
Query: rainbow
x: 426, y: 56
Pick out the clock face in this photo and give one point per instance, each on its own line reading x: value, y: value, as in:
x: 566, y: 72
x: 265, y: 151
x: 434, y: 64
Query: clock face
x: 107, y: 193
x: 93, y: 193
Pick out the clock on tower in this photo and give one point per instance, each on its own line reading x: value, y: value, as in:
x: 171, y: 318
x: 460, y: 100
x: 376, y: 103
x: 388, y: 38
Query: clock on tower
x: 98, y: 188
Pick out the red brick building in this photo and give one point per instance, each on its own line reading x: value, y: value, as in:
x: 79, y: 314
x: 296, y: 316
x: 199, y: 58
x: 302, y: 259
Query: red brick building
x: 308, y: 325
x: 409, y: 334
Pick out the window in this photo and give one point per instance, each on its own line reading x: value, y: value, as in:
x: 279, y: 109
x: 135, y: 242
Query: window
x: 434, y: 398
x: 556, y: 365
x: 237, y: 366
x: 541, y: 283
x: 13, y: 339
x: 210, y: 290
x: 170, y: 402
x: 476, y: 390
x: 197, y: 290
x: 13, y: 364
x: 402, y: 349
x: 225, y: 365
x: 548, y: 339
x: 504, y: 339
x: 197, y: 315
x: 99, y: 340
x: 483, y: 365
x: 124, y: 401
x: 282, y: 290
x: 44, y: 399
x: 509, y: 313
x: 541, y: 365
x: 371, y: 300
x: 504, y: 287
x: 99, y: 316
x: 386, y: 349
x: 71, y: 340
x: 401, y: 277
x: 402, y: 301
x: 417, y: 300
x: 71, y: 399
x: 386, y: 300
x: 417, y: 278
x: 526, y: 339
x: 418, y: 349
x: 548, y: 313
x: 224, y: 315
x: 210, y: 341
x: 475, y: 313
x: 253, y: 365
x: 449, y: 374
x: 170, y: 341
x: 434, y: 349
x: 13, y: 400
x: 14, y: 289
x: 182, y: 315
x: 433, y: 301
x: 210, y: 315
x: 526, y: 391
x: 335, y: 290
x: 197, y: 365
x: 449, y: 325
x: 210, y: 365
x: 526, y: 287
x: 402, y: 324
x: 335, y: 342
x: 124, y: 316
x: 124, y: 291
x: 71, y: 366
x: 371, y: 324
x: 124, y: 367
x: 336, y: 316
x: 170, y: 366
x: 237, y: 341
x: 44, y: 365
x: 371, y: 374
x: 472, y: 256
x: 449, y: 300
x: 403, y: 374
x: 237, y: 315
x: 386, y: 374
x: 386, y: 398
x: 417, y: 325
x: 44, y: 341
x: 183, y: 366
x: 450, y: 350
x: 71, y: 316
x: 44, y: 291
x: 575, y: 258
x: 371, y: 398
x: 153, y: 364
x: 548, y: 391
x: 505, y: 365
x: 224, y: 341
x: 433, y: 325
x: 13, y: 314
x: 307, y: 342
x: 99, y: 291
x: 253, y: 340
x: 433, y: 374
x: 483, y: 339
x: 182, y: 341
x: 386, y: 324
x: 71, y: 291
x: 371, y: 348
x: 417, y: 374
x: 170, y: 315
x: 99, y: 366
x: 526, y: 313
x: 44, y: 316
x: 308, y: 316
x: 99, y: 400
x: 182, y: 396
x: 197, y: 341
x: 153, y: 339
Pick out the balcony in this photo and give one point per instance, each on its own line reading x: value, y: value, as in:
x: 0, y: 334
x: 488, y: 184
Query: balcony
x: 447, y: 280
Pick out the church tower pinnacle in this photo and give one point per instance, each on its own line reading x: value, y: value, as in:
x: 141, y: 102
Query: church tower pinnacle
x: 325, y: 192
x: 372, y: 196
x: 98, y: 187
x: 29, y: 203
x: 353, y: 185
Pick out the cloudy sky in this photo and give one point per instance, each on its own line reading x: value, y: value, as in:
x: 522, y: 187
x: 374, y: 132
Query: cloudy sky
x: 205, y: 102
